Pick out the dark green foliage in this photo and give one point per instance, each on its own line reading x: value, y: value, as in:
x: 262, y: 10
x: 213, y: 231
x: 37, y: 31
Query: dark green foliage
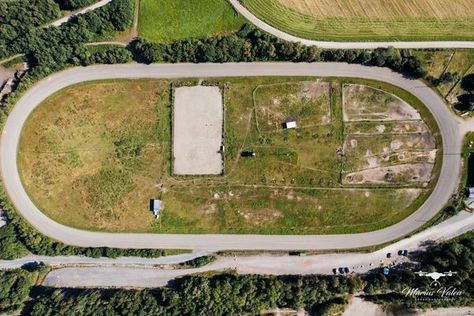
x: 113, y: 55
x: 17, y: 18
x: 74, y: 4
x: 10, y: 247
x: 467, y: 83
x: 198, y: 295
x: 251, y: 44
x: 198, y: 262
x: 457, y: 256
x: 53, y: 48
x: 466, y: 101
x: 14, y: 289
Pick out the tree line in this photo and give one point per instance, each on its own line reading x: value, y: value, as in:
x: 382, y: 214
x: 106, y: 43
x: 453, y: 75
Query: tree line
x: 251, y: 44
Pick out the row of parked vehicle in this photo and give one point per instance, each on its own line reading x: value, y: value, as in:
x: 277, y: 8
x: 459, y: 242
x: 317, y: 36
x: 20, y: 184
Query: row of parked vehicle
x: 400, y: 253
x: 341, y: 270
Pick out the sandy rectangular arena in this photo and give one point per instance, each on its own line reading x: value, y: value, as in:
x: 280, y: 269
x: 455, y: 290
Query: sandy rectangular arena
x: 197, y: 130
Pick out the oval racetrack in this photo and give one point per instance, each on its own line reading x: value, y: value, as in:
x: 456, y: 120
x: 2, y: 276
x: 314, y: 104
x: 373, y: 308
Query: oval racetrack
x: 442, y: 192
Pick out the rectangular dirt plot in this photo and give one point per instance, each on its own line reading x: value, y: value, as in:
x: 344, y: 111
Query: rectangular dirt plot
x: 197, y: 130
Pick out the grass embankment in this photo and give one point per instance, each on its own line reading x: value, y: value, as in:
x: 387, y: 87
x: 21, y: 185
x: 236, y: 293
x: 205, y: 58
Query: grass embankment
x: 164, y: 20
x: 94, y: 154
x: 363, y: 20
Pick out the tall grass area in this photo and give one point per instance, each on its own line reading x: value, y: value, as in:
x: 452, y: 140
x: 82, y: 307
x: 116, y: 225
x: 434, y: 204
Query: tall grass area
x: 165, y: 21
x: 344, y: 22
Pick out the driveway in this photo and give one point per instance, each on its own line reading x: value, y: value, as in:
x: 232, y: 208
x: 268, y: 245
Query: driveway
x: 445, y: 187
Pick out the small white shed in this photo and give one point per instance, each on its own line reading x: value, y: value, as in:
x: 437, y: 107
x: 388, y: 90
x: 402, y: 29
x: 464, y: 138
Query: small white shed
x: 289, y: 125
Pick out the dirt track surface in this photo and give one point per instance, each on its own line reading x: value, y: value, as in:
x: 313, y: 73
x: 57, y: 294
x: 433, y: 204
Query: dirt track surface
x: 197, y: 130
x: 442, y: 192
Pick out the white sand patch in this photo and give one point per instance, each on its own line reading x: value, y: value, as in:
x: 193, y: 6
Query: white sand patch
x: 197, y: 130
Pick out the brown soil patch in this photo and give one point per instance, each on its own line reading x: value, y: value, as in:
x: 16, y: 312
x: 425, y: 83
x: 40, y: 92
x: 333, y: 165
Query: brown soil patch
x: 397, y: 174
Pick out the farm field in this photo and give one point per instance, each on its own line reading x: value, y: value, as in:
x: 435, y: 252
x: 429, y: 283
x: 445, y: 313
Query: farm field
x: 93, y: 155
x: 165, y: 21
x: 368, y: 20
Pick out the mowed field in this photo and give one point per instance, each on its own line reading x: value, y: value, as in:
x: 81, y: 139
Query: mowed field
x: 93, y: 155
x: 165, y: 21
x: 369, y: 20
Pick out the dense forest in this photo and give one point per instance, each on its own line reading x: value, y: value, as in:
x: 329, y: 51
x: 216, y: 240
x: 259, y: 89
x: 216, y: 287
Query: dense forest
x: 18, y: 18
x: 229, y: 294
x: 74, y: 4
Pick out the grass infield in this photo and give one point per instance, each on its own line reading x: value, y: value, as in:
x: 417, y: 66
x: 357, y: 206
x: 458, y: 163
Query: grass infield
x: 92, y: 155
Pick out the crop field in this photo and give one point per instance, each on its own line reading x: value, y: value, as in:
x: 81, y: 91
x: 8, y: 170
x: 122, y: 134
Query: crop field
x: 165, y: 21
x: 93, y: 155
x: 369, y: 20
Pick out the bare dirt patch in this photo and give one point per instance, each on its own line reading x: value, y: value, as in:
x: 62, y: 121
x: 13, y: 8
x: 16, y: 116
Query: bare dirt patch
x: 397, y: 174
x: 197, y: 130
x: 378, y: 150
x: 387, y: 127
x: 363, y: 103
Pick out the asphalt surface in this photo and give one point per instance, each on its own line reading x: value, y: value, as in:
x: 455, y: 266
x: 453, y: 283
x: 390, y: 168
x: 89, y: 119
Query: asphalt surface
x: 89, y: 8
x: 143, y: 275
x: 344, y: 45
x: 442, y: 192
x: 76, y: 261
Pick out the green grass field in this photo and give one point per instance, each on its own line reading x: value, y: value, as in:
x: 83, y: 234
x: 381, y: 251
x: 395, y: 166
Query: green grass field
x: 165, y: 21
x: 92, y: 155
x: 314, y: 20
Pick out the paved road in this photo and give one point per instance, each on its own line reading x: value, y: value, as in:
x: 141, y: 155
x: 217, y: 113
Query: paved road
x: 443, y: 190
x: 89, y: 8
x: 146, y: 276
x: 344, y: 45
x: 65, y: 261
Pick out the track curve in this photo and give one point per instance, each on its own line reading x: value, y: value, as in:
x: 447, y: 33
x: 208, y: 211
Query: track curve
x: 242, y: 10
x: 443, y: 190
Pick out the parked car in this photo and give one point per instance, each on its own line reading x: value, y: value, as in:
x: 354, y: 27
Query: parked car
x: 389, y: 255
x: 347, y: 270
x: 334, y: 271
x: 400, y: 252
x: 405, y: 253
x: 248, y: 154
x: 341, y: 270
